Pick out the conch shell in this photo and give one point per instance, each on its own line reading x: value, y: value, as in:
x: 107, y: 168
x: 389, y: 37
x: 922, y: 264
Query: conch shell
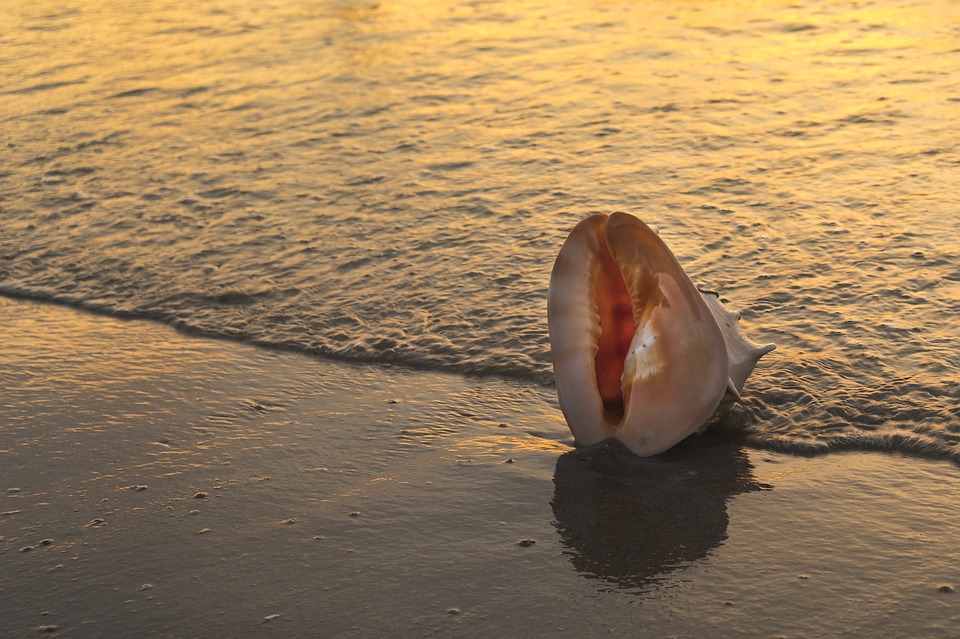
x: 639, y: 353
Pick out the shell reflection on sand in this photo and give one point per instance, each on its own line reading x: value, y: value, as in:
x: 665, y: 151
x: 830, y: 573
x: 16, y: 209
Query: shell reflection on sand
x: 631, y: 521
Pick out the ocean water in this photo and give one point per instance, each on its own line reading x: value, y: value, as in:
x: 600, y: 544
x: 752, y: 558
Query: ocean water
x: 390, y: 182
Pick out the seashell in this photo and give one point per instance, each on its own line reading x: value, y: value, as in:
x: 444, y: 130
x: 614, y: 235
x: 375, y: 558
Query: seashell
x: 639, y: 353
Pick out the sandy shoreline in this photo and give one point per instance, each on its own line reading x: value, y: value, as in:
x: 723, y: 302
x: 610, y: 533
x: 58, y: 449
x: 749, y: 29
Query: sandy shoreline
x: 155, y: 484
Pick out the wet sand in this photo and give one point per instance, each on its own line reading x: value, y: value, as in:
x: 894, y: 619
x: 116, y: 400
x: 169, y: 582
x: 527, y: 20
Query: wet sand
x: 158, y: 484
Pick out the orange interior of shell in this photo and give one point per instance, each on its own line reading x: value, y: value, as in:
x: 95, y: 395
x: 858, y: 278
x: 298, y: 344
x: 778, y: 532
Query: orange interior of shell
x: 616, y: 331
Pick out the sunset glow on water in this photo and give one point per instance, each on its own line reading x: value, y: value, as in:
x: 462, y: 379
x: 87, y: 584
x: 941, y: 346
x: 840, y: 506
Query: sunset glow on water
x: 391, y: 182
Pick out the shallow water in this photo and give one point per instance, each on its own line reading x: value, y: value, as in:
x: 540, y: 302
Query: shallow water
x: 391, y: 182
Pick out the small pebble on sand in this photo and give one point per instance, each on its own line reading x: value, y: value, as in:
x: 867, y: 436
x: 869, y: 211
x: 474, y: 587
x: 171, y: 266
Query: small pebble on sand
x: 526, y: 542
x: 49, y: 628
x: 292, y: 520
x: 200, y: 495
x: 946, y: 588
x: 46, y: 542
x: 453, y: 611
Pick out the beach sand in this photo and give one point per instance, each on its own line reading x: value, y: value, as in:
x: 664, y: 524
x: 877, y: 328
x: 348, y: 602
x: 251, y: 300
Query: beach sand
x: 156, y: 484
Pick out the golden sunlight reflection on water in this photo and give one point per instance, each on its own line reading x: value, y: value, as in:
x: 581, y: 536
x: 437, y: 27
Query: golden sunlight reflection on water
x: 390, y: 182
x: 208, y: 73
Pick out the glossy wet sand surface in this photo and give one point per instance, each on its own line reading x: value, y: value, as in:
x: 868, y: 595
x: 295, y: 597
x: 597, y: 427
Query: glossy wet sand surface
x: 159, y: 484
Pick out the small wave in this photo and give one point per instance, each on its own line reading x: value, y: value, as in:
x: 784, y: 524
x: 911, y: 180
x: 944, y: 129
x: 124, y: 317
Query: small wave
x: 134, y: 93
x: 378, y: 351
x: 892, y: 442
x: 795, y: 27
x: 433, y: 357
x: 450, y: 166
x: 45, y: 86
